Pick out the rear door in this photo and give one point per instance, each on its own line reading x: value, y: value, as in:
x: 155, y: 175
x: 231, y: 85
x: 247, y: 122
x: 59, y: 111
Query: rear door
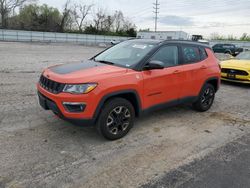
x: 161, y: 86
x: 218, y: 48
x: 191, y: 72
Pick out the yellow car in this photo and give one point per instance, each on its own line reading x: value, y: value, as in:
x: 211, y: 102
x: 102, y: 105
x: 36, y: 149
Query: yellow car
x: 237, y: 69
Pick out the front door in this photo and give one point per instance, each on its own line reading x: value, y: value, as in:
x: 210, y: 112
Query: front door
x: 162, y: 85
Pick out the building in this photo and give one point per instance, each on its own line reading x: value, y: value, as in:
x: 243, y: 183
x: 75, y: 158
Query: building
x: 163, y: 35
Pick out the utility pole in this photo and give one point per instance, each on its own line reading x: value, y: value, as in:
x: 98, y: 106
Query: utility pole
x: 156, y: 12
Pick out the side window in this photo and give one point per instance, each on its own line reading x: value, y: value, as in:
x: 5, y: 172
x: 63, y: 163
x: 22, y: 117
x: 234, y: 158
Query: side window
x: 228, y: 46
x: 203, y: 53
x: 217, y: 46
x: 168, y: 55
x: 190, y: 54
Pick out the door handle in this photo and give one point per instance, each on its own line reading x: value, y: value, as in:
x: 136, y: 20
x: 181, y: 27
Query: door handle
x: 203, y: 67
x: 176, y: 72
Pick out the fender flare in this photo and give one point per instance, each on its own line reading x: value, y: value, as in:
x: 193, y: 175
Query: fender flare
x: 114, y: 94
x: 208, y: 80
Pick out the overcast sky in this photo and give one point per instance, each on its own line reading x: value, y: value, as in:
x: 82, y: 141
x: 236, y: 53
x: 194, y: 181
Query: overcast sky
x: 193, y: 16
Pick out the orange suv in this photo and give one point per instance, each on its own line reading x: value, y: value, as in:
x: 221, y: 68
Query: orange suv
x: 130, y: 79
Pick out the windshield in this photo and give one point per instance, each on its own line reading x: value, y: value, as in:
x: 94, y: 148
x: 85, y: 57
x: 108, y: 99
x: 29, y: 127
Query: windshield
x: 243, y: 56
x: 125, y: 54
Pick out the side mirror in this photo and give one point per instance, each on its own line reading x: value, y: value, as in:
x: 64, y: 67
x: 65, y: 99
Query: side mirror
x: 151, y: 65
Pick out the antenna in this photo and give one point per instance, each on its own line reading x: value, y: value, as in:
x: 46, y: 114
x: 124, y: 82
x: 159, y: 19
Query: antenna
x: 156, y: 12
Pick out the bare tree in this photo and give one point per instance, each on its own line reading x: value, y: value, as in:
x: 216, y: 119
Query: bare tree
x: 99, y: 19
x: 80, y: 12
x: 6, y: 6
x: 108, y: 23
x: 66, y: 19
x: 119, y: 20
x: 128, y: 25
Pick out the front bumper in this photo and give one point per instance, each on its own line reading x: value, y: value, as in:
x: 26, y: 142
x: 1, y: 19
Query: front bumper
x: 236, y: 81
x: 48, y: 104
x: 57, y: 102
x: 236, y: 78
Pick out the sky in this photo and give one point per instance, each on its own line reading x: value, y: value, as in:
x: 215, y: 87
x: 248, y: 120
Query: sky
x: 205, y: 17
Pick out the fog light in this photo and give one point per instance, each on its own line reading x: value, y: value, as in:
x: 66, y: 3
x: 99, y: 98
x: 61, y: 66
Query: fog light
x: 74, y: 106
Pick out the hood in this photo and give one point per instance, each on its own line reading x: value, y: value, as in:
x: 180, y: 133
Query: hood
x: 82, y: 72
x: 236, y: 63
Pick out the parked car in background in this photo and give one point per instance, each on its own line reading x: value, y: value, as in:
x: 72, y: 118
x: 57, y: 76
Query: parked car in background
x: 227, y: 49
x: 130, y: 79
x: 237, y: 69
x: 114, y: 42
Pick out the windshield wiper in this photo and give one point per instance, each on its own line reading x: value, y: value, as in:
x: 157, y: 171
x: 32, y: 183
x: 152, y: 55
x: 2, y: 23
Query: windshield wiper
x: 105, y: 62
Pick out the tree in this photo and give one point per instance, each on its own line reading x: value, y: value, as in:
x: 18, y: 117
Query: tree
x: 244, y: 37
x: 36, y: 17
x: 66, y: 18
x: 49, y: 18
x: 231, y: 37
x: 216, y: 36
x: 99, y: 19
x: 131, y: 32
x: 90, y: 30
x: 119, y: 20
x: 108, y: 23
x: 6, y: 7
x: 80, y: 12
x: 39, y: 18
x: 144, y: 30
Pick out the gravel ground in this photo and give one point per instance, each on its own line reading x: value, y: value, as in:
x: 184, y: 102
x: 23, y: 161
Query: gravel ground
x: 226, y: 167
x: 40, y: 150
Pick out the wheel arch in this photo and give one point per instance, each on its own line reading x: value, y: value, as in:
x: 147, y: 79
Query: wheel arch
x: 228, y: 51
x: 131, y: 95
x: 214, y: 81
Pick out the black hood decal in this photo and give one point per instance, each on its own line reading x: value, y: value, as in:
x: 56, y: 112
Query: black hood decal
x: 73, y: 67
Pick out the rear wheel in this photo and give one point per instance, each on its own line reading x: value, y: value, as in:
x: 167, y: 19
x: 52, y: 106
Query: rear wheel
x: 116, y: 118
x: 206, y: 98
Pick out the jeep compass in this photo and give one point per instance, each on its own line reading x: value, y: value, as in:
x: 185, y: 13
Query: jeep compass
x: 129, y: 79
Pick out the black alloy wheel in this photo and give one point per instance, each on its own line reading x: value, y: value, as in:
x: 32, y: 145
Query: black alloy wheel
x: 116, y: 118
x: 205, y: 99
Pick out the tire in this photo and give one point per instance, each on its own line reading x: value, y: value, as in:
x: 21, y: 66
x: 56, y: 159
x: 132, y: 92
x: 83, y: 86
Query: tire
x: 228, y: 52
x: 205, y: 99
x: 116, y: 118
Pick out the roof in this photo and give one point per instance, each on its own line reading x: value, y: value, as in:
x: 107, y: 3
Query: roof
x: 190, y: 42
x: 153, y: 41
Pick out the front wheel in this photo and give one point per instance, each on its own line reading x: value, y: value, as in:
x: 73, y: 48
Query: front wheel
x: 205, y: 99
x: 116, y: 118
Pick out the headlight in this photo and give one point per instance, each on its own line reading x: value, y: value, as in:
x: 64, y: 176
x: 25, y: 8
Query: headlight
x: 79, y: 88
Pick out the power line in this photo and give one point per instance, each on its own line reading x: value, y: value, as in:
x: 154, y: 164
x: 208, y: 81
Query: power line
x: 156, y: 11
x: 142, y: 12
x: 207, y: 26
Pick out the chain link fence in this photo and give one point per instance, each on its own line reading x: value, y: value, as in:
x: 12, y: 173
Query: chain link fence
x: 85, y: 39
x: 53, y: 37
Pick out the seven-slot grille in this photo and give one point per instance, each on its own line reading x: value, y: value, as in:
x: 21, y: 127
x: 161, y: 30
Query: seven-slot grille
x: 234, y: 71
x: 50, y: 85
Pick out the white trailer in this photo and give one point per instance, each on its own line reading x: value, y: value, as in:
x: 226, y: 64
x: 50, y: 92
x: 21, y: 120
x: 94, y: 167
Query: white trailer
x: 163, y: 35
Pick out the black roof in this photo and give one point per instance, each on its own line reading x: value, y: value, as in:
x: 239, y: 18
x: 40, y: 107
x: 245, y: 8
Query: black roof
x: 154, y: 41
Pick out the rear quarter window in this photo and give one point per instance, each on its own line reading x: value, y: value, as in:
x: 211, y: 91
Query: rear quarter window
x: 190, y: 54
x: 203, y: 54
